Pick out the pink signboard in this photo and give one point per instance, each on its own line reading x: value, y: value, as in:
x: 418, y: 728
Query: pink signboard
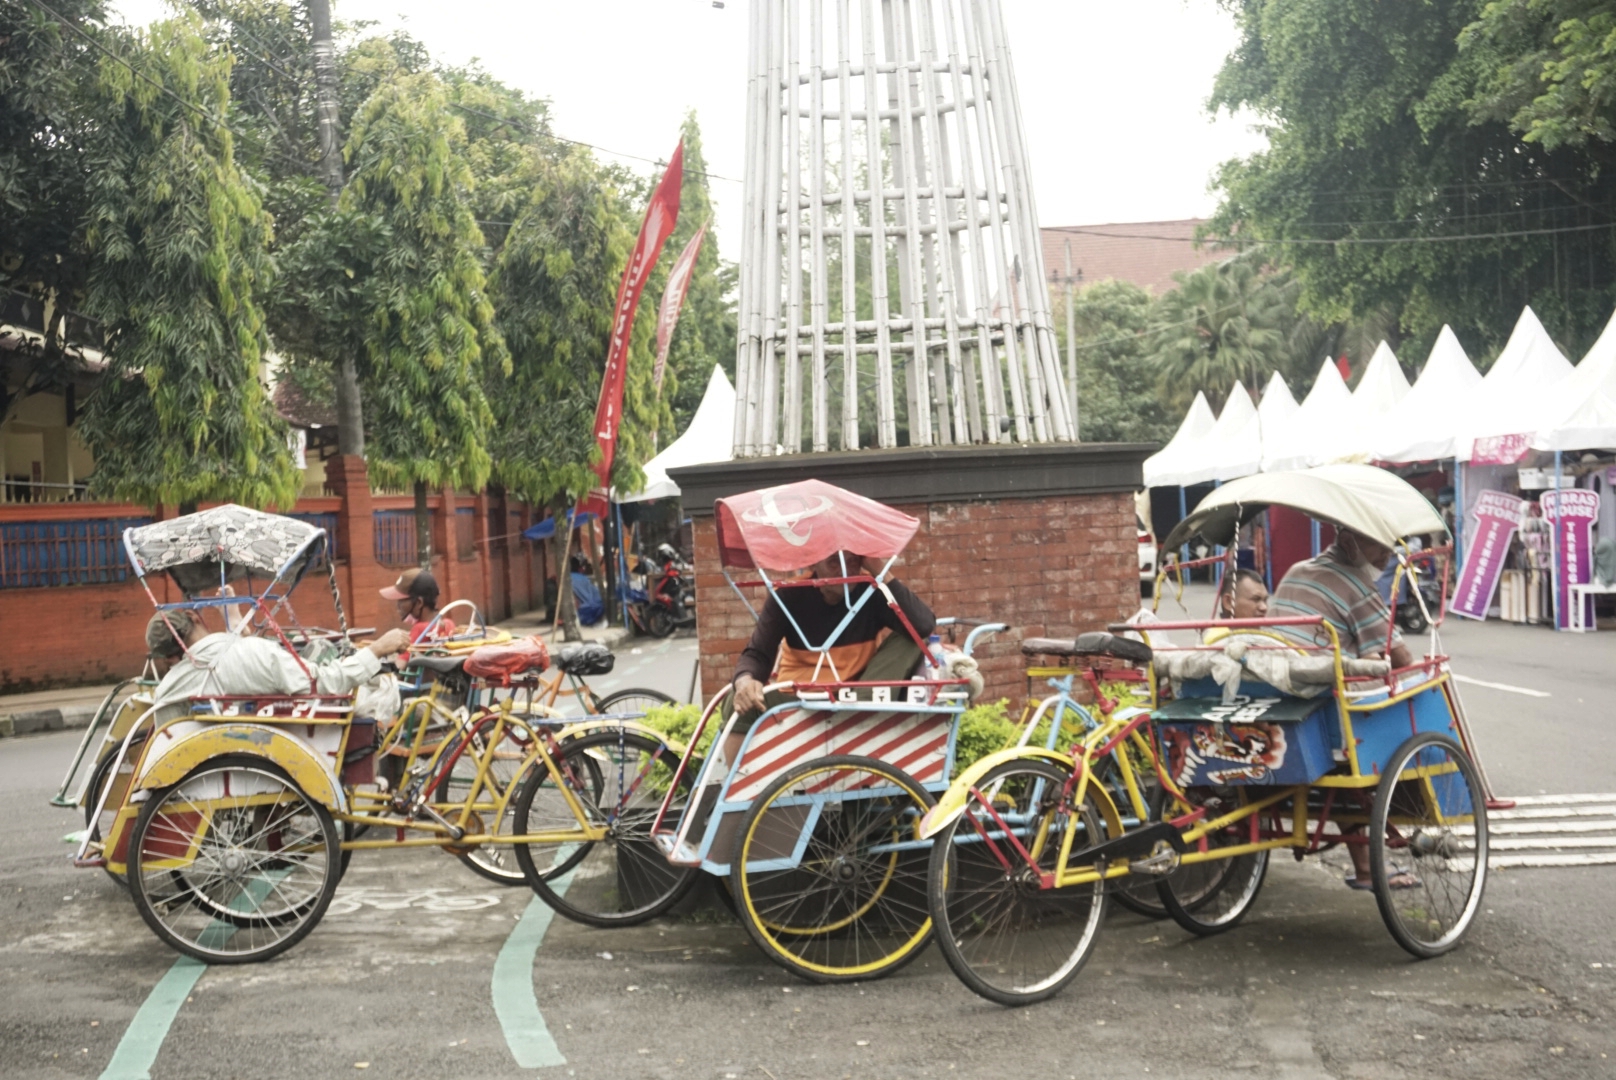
x: 1499, y: 450
x: 1572, y: 513
x: 1497, y: 517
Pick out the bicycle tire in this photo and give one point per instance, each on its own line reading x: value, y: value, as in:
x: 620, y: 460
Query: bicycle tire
x: 624, y: 879
x: 639, y: 701
x: 1230, y: 900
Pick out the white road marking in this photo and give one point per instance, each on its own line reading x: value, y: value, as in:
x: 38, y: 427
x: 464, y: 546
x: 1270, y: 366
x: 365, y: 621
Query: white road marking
x: 1554, y: 831
x: 1500, y: 686
x: 1549, y: 843
x: 1552, y: 812
x: 1602, y: 858
x: 1561, y: 800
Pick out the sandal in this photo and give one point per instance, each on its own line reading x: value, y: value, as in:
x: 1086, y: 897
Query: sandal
x: 1399, y: 879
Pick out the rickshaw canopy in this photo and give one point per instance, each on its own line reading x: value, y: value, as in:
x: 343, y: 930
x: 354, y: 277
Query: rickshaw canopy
x: 225, y: 543
x: 1363, y: 498
x: 796, y: 525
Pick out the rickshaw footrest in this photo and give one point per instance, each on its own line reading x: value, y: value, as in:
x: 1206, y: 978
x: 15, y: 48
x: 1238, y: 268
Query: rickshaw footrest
x: 94, y: 861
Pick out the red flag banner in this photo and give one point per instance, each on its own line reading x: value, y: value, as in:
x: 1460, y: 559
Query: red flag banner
x: 660, y: 218
x: 1344, y: 366
x: 673, y: 298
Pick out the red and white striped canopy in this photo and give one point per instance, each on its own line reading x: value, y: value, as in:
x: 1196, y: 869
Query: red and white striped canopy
x: 796, y: 525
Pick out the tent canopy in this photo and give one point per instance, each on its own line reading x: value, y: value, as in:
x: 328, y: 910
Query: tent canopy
x: 1366, y: 499
x: 795, y: 525
x: 1315, y: 426
x: 1162, y: 468
x: 543, y: 530
x: 1232, y: 448
x: 710, y: 437
x: 1520, y: 390
x: 1583, y: 414
x: 1423, y: 425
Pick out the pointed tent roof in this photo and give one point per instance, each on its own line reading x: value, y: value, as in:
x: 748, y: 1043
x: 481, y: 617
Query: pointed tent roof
x: 1278, y: 404
x: 1234, y: 446
x: 1423, y: 426
x: 1381, y: 386
x: 707, y: 439
x: 1162, y: 468
x: 1518, y: 390
x: 1584, y: 415
x: 1314, y: 427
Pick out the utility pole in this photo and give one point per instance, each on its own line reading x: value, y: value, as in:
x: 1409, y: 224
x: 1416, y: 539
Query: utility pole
x: 1071, y: 341
x: 328, y: 124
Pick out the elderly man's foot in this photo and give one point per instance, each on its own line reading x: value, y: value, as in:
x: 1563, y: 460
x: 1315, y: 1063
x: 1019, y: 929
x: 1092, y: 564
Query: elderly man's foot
x: 1400, y: 879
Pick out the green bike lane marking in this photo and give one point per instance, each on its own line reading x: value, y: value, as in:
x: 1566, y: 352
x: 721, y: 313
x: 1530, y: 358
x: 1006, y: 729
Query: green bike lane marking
x: 143, y: 1039
x: 515, y: 1002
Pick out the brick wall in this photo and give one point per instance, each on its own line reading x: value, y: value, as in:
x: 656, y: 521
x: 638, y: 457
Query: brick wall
x: 1048, y: 566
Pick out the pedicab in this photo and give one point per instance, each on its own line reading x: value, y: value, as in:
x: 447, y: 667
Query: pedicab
x: 233, y: 815
x: 813, y: 824
x: 1260, y: 735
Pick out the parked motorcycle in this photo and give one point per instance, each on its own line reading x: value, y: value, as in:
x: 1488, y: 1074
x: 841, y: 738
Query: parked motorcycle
x: 669, y: 600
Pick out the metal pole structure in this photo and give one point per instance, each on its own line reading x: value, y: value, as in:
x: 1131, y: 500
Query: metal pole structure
x: 1458, y: 512
x: 1071, y: 338
x: 1183, y: 512
x: 1554, y: 547
x: 887, y: 168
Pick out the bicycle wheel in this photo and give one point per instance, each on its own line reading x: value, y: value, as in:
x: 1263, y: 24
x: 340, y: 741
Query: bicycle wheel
x: 1007, y: 938
x: 659, y: 621
x: 1193, y: 885
x: 623, y: 879
x: 234, y: 863
x: 636, y: 702
x: 100, y: 776
x: 829, y: 875
x: 1209, y: 897
x: 1431, y: 812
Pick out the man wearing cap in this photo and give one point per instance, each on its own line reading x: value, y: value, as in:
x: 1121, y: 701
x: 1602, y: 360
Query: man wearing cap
x: 416, y: 593
x: 219, y: 663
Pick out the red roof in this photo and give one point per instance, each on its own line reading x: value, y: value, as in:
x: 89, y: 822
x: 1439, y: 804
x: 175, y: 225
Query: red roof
x: 1145, y: 253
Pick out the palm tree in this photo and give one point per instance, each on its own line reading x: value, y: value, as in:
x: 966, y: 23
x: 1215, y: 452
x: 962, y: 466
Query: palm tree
x: 1226, y: 323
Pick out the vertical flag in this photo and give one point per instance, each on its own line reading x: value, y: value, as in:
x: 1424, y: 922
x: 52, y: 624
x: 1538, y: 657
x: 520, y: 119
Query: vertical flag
x: 673, y: 298
x: 660, y: 218
x: 1344, y: 366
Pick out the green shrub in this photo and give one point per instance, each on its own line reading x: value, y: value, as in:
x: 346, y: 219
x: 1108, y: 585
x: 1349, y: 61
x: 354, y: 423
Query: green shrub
x: 677, y: 723
x: 988, y: 727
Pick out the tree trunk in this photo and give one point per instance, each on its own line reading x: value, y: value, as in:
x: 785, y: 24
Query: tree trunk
x: 423, y: 527
x: 328, y: 125
x: 565, y: 606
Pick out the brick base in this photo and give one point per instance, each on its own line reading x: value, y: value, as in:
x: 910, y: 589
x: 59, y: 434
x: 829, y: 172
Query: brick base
x: 1050, y: 566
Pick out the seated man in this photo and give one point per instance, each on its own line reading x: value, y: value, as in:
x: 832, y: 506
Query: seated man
x: 873, y: 647
x: 1244, y: 595
x: 1340, y: 585
x: 220, y: 663
x: 416, y: 593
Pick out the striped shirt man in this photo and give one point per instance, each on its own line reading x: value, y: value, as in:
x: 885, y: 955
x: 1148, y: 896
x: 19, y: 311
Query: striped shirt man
x: 1342, y: 589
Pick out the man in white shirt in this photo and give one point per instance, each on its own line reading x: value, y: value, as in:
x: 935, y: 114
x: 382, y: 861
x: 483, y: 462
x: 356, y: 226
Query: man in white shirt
x: 230, y: 664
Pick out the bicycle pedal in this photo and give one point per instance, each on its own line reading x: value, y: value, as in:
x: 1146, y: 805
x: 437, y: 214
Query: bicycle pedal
x: 1160, y: 862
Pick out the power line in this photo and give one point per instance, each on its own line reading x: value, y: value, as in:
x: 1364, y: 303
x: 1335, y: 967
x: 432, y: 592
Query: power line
x: 1345, y: 240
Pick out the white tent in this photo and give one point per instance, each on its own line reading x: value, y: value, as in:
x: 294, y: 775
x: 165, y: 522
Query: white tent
x: 707, y: 439
x: 1314, y: 428
x: 1423, y: 426
x: 1162, y: 468
x: 1518, y: 389
x: 1232, y: 448
x: 1381, y: 386
x: 1277, y: 407
x: 1583, y: 412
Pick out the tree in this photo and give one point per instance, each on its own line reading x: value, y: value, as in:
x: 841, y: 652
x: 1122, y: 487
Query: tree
x: 178, y: 241
x: 1115, y: 383
x: 1381, y: 151
x: 1224, y: 324
x: 427, y: 322
x: 1548, y: 68
x: 706, y: 331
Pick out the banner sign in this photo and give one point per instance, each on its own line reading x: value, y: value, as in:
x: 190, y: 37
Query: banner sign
x: 1497, y: 517
x: 1571, y: 512
x: 660, y: 217
x: 673, y: 298
x: 1499, y: 449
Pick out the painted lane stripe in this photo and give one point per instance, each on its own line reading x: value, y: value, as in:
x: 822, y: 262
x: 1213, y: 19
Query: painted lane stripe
x: 142, y: 1040
x: 1561, y: 800
x: 1550, y: 843
x: 1468, y: 681
x: 515, y: 1003
x: 1548, y: 813
x: 1551, y: 859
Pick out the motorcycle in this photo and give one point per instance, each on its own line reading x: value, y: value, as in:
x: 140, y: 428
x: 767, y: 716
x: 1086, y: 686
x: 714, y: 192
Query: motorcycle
x: 669, y: 601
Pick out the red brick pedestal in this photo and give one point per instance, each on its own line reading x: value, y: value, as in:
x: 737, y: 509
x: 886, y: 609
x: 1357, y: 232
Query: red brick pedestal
x: 1041, y: 538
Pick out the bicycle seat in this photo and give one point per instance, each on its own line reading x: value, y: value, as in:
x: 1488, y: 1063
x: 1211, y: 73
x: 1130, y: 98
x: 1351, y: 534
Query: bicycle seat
x: 1096, y: 643
x: 440, y: 665
x: 585, y: 658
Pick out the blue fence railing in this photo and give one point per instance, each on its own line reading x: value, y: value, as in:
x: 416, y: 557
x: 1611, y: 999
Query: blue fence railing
x: 395, y: 537
x: 328, y: 522
x: 85, y: 551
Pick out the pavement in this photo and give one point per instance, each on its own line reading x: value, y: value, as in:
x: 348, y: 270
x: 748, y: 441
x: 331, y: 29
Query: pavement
x: 405, y: 974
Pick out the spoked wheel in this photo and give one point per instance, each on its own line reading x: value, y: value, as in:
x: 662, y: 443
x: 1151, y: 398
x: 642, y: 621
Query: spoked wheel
x: 494, y: 807
x: 623, y: 879
x: 100, y: 825
x: 1211, y: 896
x: 829, y: 873
x: 635, y: 702
x: 1005, y: 937
x: 1429, y: 822
x: 660, y: 621
x: 234, y: 863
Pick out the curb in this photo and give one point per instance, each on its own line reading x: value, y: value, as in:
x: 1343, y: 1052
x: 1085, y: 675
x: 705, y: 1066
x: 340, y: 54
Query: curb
x: 42, y: 721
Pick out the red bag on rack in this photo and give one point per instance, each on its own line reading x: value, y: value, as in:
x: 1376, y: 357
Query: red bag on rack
x: 499, y: 663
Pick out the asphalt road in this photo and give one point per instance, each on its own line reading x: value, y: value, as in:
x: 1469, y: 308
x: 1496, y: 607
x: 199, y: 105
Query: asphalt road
x: 398, y: 977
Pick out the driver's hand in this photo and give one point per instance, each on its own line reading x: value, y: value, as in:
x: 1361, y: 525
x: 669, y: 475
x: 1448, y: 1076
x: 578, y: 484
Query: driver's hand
x: 389, y: 643
x: 748, y: 694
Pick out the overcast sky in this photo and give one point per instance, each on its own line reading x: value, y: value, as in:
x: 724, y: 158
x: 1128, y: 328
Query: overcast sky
x: 1114, y: 92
